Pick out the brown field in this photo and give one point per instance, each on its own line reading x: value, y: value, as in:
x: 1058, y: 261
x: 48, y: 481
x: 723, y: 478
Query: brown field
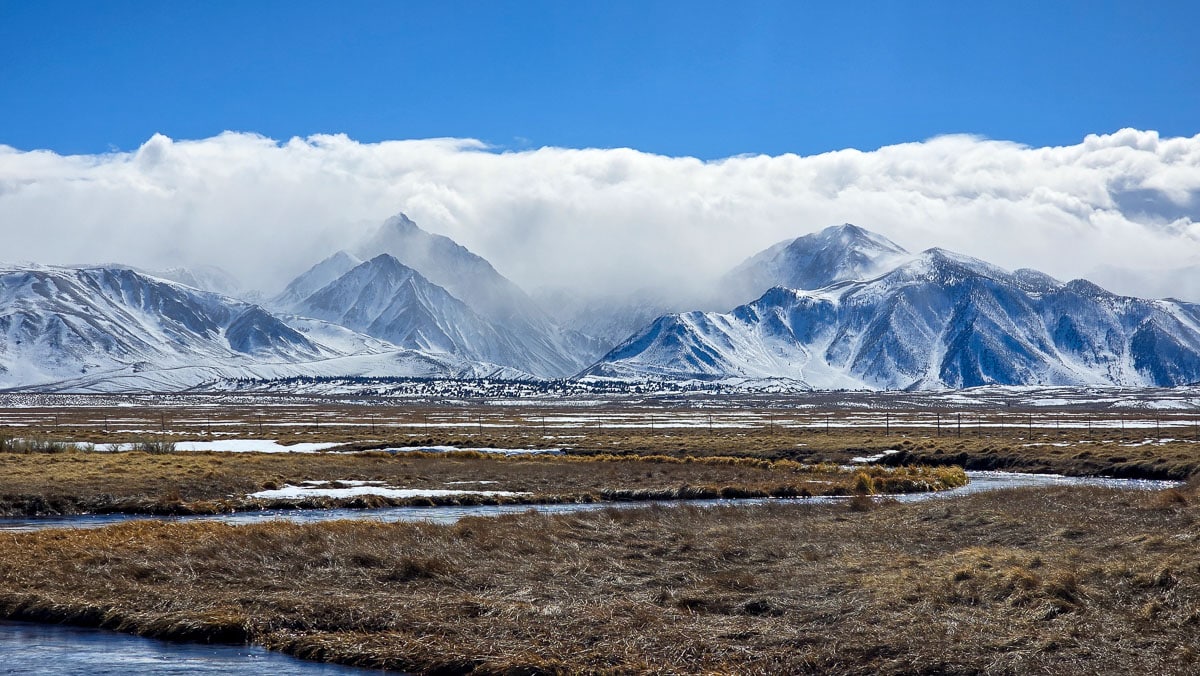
x: 1049, y: 581
x: 207, y: 482
x: 1124, y: 444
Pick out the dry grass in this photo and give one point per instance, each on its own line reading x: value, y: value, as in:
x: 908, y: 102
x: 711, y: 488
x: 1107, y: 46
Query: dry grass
x: 191, y: 483
x: 1057, y: 581
x: 1092, y: 443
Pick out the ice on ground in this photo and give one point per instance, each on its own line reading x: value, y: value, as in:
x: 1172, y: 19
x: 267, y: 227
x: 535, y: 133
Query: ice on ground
x: 451, y: 449
x: 1150, y: 442
x: 225, y: 445
x: 289, y: 492
x: 344, y: 482
x: 874, y: 458
x: 252, y: 445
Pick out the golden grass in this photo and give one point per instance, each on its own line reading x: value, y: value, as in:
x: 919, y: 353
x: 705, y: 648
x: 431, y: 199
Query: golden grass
x: 199, y: 483
x: 1045, y: 581
x: 1102, y: 448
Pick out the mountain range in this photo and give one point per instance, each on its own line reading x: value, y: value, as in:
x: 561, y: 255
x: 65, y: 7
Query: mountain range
x: 938, y: 320
x: 839, y: 308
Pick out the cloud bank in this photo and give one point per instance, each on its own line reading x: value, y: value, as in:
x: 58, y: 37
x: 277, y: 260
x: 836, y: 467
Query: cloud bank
x: 602, y: 220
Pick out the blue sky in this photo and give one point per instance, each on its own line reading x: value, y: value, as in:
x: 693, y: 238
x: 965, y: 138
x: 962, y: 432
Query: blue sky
x: 689, y: 78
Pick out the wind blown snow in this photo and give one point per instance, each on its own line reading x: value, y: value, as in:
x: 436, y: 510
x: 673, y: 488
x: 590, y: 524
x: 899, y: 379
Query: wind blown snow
x: 289, y: 492
x: 614, y: 219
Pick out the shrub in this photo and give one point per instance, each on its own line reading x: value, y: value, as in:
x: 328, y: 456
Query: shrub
x: 154, y: 446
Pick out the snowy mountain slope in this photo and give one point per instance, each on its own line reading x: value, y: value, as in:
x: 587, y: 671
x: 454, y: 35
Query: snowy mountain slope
x: 57, y: 323
x: 608, y: 320
x: 390, y: 301
x: 836, y: 254
x: 467, y: 276
x: 314, y: 279
x: 214, y: 377
x: 337, y: 337
x: 203, y: 277
x: 517, y: 334
x: 940, y: 320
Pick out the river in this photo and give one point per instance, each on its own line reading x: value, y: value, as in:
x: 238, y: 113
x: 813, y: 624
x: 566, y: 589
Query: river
x: 27, y: 648
x: 55, y: 649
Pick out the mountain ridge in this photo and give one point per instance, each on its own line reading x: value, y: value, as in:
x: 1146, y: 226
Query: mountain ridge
x: 941, y: 320
x: 882, y: 318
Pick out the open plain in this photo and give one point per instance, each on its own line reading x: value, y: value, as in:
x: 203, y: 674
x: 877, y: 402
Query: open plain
x: 1057, y: 580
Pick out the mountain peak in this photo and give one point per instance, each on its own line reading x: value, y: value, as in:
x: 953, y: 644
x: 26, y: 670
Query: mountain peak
x: 385, y: 260
x: 401, y: 222
x: 937, y: 262
x: 314, y: 279
x: 850, y: 235
x: 341, y: 255
x: 835, y: 254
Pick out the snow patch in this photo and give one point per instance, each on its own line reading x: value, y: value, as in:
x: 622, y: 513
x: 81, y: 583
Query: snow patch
x: 496, y: 451
x: 289, y: 492
x: 874, y: 458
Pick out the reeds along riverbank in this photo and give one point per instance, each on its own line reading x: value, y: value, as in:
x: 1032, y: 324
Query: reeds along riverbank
x: 1048, y: 580
x: 207, y: 483
x: 1134, y: 444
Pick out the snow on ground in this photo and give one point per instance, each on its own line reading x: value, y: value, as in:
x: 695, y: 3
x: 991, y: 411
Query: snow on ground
x: 1154, y: 442
x: 313, y: 483
x: 289, y: 492
x: 450, y: 449
x: 874, y: 458
x: 251, y: 445
x: 224, y: 445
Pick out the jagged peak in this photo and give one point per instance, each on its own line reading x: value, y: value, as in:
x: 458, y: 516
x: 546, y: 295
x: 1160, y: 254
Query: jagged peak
x: 850, y: 235
x: 341, y: 255
x: 402, y: 222
x: 386, y: 265
x: 937, y: 262
x: 384, y: 259
x: 1031, y: 275
x: 1084, y: 287
x: 778, y: 295
x: 939, y: 255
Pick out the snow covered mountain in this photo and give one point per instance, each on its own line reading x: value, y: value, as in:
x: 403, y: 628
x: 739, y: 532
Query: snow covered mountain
x: 203, y: 277
x: 467, y: 276
x: 386, y: 299
x: 838, y: 253
x: 874, y: 317
x: 391, y: 301
x: 57, y: 323
x: 456, y: 304
x: 610, y: 320
x: 115, y: 329
x: 314, y: 279
x: 939, y: 320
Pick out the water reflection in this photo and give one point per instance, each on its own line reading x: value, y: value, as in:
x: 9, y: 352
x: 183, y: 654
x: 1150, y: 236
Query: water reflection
x: 57, y: 649
x: 980, y: 482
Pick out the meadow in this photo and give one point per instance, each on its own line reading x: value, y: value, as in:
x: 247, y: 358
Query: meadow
x: 1033, y: 580
x: 1052, y: 580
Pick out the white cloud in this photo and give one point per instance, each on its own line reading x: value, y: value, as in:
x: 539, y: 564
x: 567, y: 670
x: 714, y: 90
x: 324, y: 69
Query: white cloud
x: 606, y: 219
